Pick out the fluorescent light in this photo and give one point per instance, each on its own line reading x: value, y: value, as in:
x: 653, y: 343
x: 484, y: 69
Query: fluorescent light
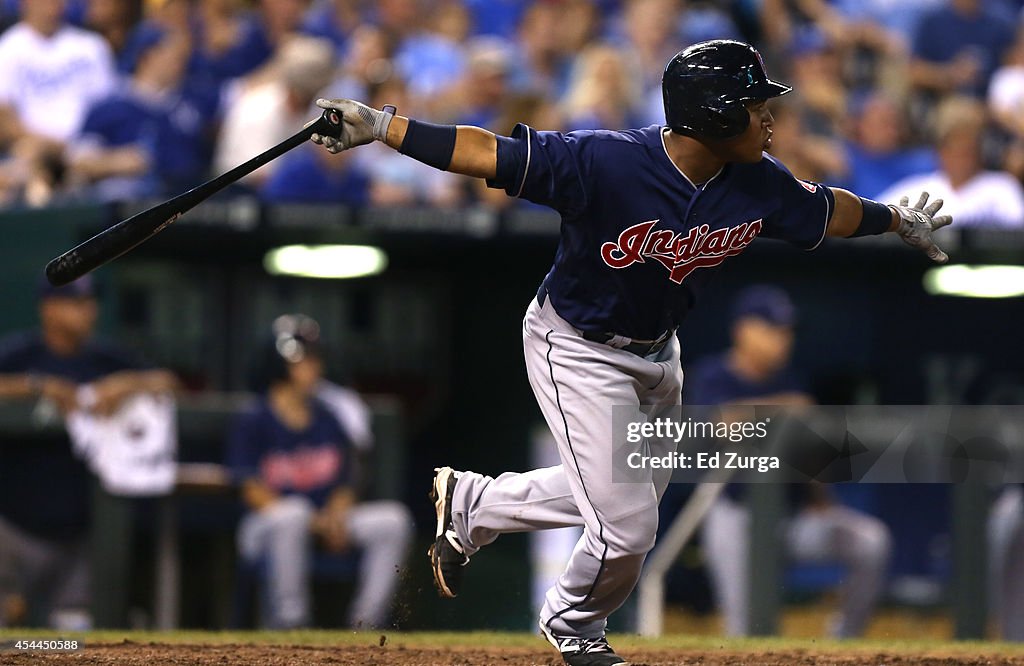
x: 975, y: 281
x: 326, y: 261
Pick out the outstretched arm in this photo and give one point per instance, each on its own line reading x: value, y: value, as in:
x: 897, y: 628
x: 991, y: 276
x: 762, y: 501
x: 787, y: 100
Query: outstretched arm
x: 466, y: 150
x: 855, y: 216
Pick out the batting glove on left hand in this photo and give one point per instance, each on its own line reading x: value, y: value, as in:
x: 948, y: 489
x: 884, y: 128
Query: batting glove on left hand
x: 359, y: 124
x: 918, y: 222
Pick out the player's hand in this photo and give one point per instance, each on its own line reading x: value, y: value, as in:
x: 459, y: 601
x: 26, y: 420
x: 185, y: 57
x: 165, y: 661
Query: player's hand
x: 63, y: 393
x: 359, y: 124
x: 331, y: 527
x: 917, y: 223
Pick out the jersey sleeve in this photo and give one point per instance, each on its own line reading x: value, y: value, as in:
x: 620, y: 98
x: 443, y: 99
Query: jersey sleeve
x: 804, y: 208
x: 244, y: 448
x: 546, y: 168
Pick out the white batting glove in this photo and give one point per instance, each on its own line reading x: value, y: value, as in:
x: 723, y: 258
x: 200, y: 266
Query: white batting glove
x: 917, y: 223
x: 359, y: 124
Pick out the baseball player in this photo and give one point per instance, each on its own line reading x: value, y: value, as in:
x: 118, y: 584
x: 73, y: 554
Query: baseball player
x: 647, y: 214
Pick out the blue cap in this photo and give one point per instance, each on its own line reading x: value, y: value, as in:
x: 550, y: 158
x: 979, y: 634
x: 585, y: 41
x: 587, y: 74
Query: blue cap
x: 766, y: 302
x: 83, y: 287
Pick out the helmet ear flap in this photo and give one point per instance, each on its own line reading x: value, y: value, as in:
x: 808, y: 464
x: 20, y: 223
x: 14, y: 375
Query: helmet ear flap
x: 733, y: 120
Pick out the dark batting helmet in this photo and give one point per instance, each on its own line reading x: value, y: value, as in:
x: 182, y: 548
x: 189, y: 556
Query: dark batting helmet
x: 705, y: 86
x: 293, y: 338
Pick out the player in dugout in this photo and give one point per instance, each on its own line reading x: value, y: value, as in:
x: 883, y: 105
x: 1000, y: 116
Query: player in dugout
x: 294, y: 462
x: 647, y: 214
x: 44, y: 486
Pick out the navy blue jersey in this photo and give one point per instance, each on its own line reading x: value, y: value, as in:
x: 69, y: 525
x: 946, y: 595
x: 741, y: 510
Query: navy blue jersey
x: 638, y: 239
x: 712, y: 381
x: 44, y: 489
x: 311, y: 462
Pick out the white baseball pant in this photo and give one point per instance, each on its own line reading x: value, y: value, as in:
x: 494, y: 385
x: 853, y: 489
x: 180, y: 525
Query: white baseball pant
x: 836, y: 533
x: 280, y: 535
x: 576, y: 383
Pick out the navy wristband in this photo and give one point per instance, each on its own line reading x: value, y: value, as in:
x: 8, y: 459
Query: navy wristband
x: 876, y: 219
x: 429, y: 143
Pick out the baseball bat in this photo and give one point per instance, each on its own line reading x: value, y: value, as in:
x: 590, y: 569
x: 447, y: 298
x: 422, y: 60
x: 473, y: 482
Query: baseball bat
x: 118, y: 239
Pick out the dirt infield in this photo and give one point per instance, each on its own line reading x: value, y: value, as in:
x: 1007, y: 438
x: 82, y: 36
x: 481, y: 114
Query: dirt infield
x: 398, y: 653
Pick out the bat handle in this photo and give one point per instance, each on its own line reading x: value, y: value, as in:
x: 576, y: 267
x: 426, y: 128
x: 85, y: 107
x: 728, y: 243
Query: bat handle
x: 328, y: 124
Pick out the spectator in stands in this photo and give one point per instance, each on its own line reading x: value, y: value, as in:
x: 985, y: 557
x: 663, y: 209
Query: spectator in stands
x: 335, y: 20
x: 957, y: 47
x: 581, y: 25
x: 429, y: 60
x: 44, y: 489
x: 877, y: 152
x: 816, y: 66
x: 893, y: 21
x: 395, y: 180
x: 496, y: 17
x: 368, y: 61
x: 481, y: 94
x: 1006, y: 104
x: 45, y: 66
x: 541, y: 63
x: 603, y: 92
x: 147, y: 138
x: 314, y: 176
x: 846, y: 24
x: 807, y: 156
x: 293, y: 461
x: 756, y: 371
x: 113, y: 20
x: 975, y: 195
x: 1006, y: 93
x: 649, y: 35
x: 270, y: 112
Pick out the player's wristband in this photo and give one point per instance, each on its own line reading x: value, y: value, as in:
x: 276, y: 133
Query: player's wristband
x: 383, y: 121
x: 876, y: 219
x: 429, y: 143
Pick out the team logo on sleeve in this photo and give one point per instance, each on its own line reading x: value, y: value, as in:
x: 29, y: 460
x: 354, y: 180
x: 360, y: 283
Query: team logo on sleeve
x: 680, y: 254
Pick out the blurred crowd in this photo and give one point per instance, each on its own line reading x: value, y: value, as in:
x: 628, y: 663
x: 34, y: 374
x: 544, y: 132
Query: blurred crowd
x: 119, y: 99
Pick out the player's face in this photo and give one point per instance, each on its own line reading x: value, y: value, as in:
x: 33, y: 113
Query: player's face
x: 767, y: 344
x: 305, y: 374
x: 71, y: 317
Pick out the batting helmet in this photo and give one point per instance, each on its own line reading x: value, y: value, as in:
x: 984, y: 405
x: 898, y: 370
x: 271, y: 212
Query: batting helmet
x: 705, y: 85
x: 294, y: 337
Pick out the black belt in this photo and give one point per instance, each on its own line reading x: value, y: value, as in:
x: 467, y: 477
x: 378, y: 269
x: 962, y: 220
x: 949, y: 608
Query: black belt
x: 641, y: 349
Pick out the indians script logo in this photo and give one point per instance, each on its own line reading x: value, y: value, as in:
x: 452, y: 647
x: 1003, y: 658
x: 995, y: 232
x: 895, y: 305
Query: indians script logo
x: 680, y: 254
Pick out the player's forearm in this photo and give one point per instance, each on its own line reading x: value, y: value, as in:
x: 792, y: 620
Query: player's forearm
x: 126, y: 161
x: 19, y: 386
x: 127, y: 382
x: 257, y: 495
x: 849, y: 214
x: 475, y: 152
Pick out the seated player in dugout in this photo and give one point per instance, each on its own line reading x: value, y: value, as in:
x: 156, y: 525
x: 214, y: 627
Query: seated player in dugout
x: 756, y: 370
x: 294, y: 462
x: 647, y: 215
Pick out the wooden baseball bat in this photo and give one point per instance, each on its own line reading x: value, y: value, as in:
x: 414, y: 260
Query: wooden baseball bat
x: 126, y: 234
